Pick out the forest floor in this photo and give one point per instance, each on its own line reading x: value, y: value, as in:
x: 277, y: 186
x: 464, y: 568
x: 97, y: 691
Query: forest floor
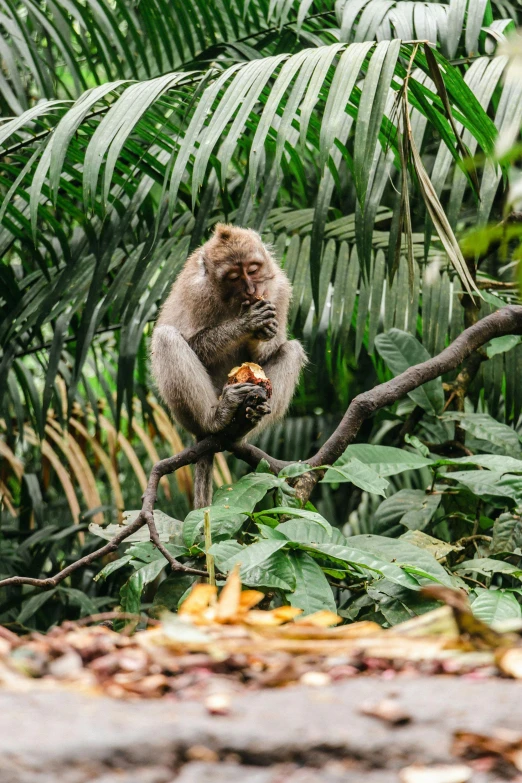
x: 446, y: 730
x: 223, y: 691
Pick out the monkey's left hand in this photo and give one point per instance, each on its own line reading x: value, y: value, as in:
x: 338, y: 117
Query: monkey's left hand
x: 268, y: 331
x: 256, y: 413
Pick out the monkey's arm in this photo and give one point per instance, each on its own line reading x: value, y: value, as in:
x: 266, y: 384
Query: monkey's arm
x: 214, y: 341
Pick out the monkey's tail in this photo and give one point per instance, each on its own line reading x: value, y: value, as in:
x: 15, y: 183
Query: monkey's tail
x: 203, y: 481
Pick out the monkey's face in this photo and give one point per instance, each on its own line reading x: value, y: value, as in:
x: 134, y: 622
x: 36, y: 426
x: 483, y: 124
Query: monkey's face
x: 244, y: 280
x: 238, y: 264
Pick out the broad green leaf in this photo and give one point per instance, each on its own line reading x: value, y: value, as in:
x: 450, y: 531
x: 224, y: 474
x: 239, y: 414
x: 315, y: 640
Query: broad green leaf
x: 169, y: 529
x: 495, y: 462
x: 225, y: 554
x: 307, y: 531
x: 301, y: 513
x: 495, y: 606
x: 397, y: 603
x: 404, y: 554
x: 400, y: 351
x: 170, y: 591
x: 502, y: 344
x: 247, y: 492
x: 312, y: 593
x: 412, y: 508
x: 485, y: 427
x: 131, y: 591
x: 295, y: 469
x: 488, y: 566
x: 358, y: 473
x: 256, y: 554
x: 490, y: 484
x: 507, y: 533
x: 224, y: 522
x: 373, y: 564
x: 385, y: 460
x: 113, y: 566
x: 261, y: 563
x: 275, y: 572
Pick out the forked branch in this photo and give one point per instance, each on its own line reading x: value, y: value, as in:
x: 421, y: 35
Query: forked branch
x: 508, y: 320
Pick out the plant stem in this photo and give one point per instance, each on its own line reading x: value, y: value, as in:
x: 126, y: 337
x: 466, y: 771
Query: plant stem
x: 208, y: 556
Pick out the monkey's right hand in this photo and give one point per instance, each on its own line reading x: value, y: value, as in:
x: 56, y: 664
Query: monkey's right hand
x: 259, y: 319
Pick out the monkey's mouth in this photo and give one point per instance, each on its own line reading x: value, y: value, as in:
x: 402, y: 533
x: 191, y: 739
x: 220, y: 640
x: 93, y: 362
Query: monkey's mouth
x: 259, y: 296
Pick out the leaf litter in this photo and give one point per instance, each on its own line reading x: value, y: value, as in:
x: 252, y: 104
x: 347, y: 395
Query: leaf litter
x: 225, y: 639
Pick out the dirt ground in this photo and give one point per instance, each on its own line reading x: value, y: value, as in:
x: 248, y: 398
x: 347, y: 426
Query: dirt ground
x: 367, y: 729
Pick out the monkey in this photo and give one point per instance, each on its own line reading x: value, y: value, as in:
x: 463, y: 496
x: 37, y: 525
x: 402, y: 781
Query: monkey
x: 228, y: 305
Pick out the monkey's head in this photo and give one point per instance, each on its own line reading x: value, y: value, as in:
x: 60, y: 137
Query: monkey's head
x: 238, y: 263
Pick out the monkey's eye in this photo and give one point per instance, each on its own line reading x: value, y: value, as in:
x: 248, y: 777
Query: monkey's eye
x: 232, y: 275
x: 253, y: 268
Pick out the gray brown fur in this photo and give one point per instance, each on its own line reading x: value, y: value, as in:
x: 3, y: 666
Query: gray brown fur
x: 210, y: 324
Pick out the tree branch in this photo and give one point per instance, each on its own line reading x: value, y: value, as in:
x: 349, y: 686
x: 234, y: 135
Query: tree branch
x: 508, y: 320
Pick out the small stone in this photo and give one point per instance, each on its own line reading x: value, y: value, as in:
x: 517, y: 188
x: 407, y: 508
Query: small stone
x: 218, y: 703
x: 315, y: 679
x: 67, y: 666
x: 202, y: 753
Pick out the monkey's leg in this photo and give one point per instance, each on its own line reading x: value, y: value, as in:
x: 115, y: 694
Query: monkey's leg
x: 283, y: 368
x: 186, y: 386
x: 203, y: 481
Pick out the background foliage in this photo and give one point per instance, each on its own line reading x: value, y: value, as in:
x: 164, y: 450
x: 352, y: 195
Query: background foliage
x: 129, y: 129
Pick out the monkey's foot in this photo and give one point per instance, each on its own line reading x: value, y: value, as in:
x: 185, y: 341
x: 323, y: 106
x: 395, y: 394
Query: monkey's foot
x: 257, y: 412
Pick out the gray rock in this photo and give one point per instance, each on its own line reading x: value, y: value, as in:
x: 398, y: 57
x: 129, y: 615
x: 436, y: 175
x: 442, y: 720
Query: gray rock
x: 73, y: 738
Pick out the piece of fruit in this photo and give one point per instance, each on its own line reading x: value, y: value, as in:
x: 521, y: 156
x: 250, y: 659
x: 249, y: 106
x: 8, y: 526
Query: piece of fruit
x: 249, y: 372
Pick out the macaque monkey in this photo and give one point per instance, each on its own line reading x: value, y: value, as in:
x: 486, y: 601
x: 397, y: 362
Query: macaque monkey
x: 228, y: 305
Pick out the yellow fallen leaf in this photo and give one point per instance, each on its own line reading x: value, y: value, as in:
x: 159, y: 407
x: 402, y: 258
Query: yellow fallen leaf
x: 229, y: 598
x: 286, y: 613
x: 269, y: 618
x: 510, y: 662
x: 320, y: 619
x: 249, y: 598
x: 199, y: 599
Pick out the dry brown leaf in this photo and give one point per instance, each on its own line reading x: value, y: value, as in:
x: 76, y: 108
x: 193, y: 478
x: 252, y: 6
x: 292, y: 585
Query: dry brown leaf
x: 504, y: 745
x: 510, y: 662
x: 250, y: 598
x: 272, y: 617
x: 322, y: 619
x: 229, y: 598
x: 479, y: 635
x: 198, y: 600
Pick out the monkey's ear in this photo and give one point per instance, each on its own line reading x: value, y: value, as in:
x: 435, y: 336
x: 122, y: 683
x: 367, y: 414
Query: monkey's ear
x: 222, y: 231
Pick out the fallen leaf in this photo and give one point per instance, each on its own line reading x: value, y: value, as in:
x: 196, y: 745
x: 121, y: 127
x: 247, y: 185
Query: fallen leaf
x: 250, y: 598
x: 510, y: 662
x: 229, y: 598
x: 200, y: 598
x: 321, y: 619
